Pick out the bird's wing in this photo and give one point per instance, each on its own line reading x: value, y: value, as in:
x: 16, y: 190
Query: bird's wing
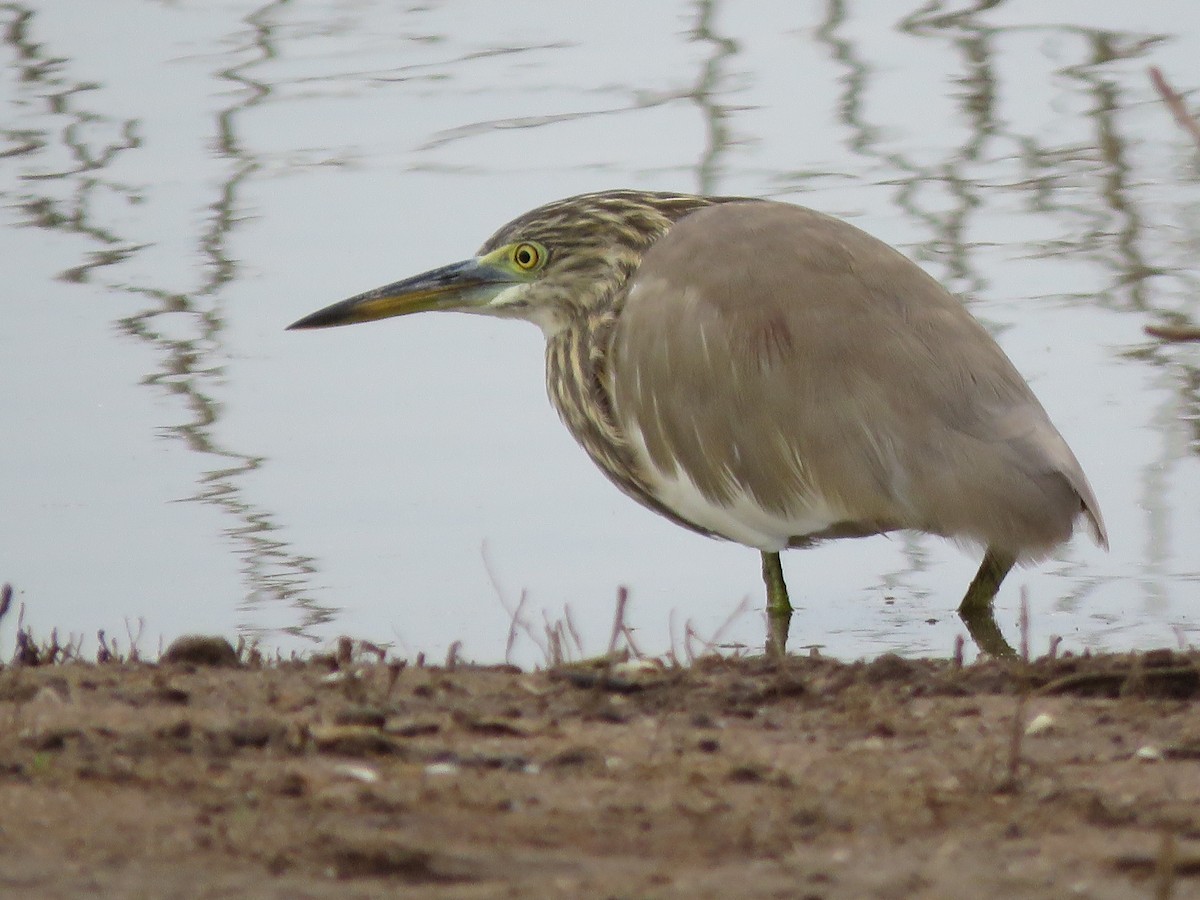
x: 769, y: 352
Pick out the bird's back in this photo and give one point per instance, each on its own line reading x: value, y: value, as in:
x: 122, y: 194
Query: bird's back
x: 780, y: 375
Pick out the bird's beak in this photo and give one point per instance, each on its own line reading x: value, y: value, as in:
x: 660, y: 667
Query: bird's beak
x: 462, y: 286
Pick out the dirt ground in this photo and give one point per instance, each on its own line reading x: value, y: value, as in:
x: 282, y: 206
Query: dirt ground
x: 346, y: 776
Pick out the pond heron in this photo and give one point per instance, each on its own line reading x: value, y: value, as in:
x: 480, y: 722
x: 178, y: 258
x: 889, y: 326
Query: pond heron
x: 764, y: 373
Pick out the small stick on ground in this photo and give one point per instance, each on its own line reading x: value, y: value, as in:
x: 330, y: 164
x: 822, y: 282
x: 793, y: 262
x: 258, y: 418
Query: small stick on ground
x: 27, y: 651
x: 690, y: 636
x: 394, y: 669
x: 711, y: 644
x: 517, y: 621
x: 555, y: 640
x: 573, y: 629
x: 135, y: 639
x: 344, y: 652
x: 103, y: 654
x: 738, y: 611
x: 379, y: 650
x: 618, y: 626
x: 672, y: 656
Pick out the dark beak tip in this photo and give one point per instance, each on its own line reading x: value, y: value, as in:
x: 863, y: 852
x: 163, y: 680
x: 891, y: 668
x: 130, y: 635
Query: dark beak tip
x: 320, y: 319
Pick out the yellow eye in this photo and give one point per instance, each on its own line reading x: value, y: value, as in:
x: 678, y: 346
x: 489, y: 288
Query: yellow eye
x: 527, y: 256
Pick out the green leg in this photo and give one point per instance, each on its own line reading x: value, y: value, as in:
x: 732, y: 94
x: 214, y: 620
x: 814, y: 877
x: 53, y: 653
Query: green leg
x: 976, y: 607
x: 779, y: 608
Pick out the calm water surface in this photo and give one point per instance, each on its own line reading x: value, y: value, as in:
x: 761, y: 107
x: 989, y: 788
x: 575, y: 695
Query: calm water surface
x: 181, y: 180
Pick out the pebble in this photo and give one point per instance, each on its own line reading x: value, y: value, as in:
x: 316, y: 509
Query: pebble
x: 352, y: 740
x: 365, y: 774
x: 201, y: 650
x: 1149, y: 753
x: 1042, y: 723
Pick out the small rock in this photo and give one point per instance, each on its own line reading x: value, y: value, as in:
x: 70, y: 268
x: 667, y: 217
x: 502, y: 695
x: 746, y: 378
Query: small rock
x: 371, y: 857
x: 353, y: 740
x: 47, y: 695
x: 57, y: 685
x: 748, y: 774
x: 497, y: 728
x: 407, y: 727
x: 1043, y: 723
x: 572, y: 757
x: 200, y: 650
x: 365, y: 774
x: 1148, y: 753
x: 1183, y: 750
x: 256, y: 732
x: 442, y: 768
x: 48, y: 739
x: 290, y: 784
x: 171, y: 695
x: 625, y: 677
x: 637, y: 670
x: 888, y: 668
x: 1160, y: 658
x: 371, y: 716
x: 508, y: 762
x: 343, y: 676
x: 179, y: 730
x: 17, y: 692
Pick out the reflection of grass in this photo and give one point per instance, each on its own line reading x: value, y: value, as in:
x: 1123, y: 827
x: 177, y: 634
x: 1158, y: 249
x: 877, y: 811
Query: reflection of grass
x: 1175, y: 330
x: 1175, y: 103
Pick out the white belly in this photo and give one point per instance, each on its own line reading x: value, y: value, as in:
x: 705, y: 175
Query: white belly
x: 739, y: 518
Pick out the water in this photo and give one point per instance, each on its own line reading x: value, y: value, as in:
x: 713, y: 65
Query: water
x: 182, y: 180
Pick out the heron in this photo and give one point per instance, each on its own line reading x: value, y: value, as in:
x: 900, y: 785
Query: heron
x: 765, y: 373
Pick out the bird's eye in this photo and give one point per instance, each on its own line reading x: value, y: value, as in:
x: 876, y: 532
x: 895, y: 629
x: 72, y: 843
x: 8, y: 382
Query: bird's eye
x: 527, y: 256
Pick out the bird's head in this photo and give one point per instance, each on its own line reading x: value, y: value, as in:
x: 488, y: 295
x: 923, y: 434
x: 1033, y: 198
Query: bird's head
x: 553, y: 265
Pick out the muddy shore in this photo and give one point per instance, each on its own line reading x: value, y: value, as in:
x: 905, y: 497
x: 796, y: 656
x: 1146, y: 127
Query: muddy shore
x: 349, y: 776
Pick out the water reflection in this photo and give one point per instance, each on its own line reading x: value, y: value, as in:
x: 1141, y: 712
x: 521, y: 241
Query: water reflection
x: 1049, y: 174
x: 274, y: 573
x: 61, y: 198
x: 1084, y: 183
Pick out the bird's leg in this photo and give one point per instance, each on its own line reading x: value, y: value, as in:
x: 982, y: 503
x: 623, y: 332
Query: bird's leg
x: 779, y: 608
x: 976, y: 607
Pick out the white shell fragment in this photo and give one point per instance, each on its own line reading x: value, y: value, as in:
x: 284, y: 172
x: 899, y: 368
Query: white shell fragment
x: 1042, y: 723
x: 1148, y: 753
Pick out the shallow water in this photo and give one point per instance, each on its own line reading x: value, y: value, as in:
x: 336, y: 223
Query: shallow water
x: 182, y: 180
